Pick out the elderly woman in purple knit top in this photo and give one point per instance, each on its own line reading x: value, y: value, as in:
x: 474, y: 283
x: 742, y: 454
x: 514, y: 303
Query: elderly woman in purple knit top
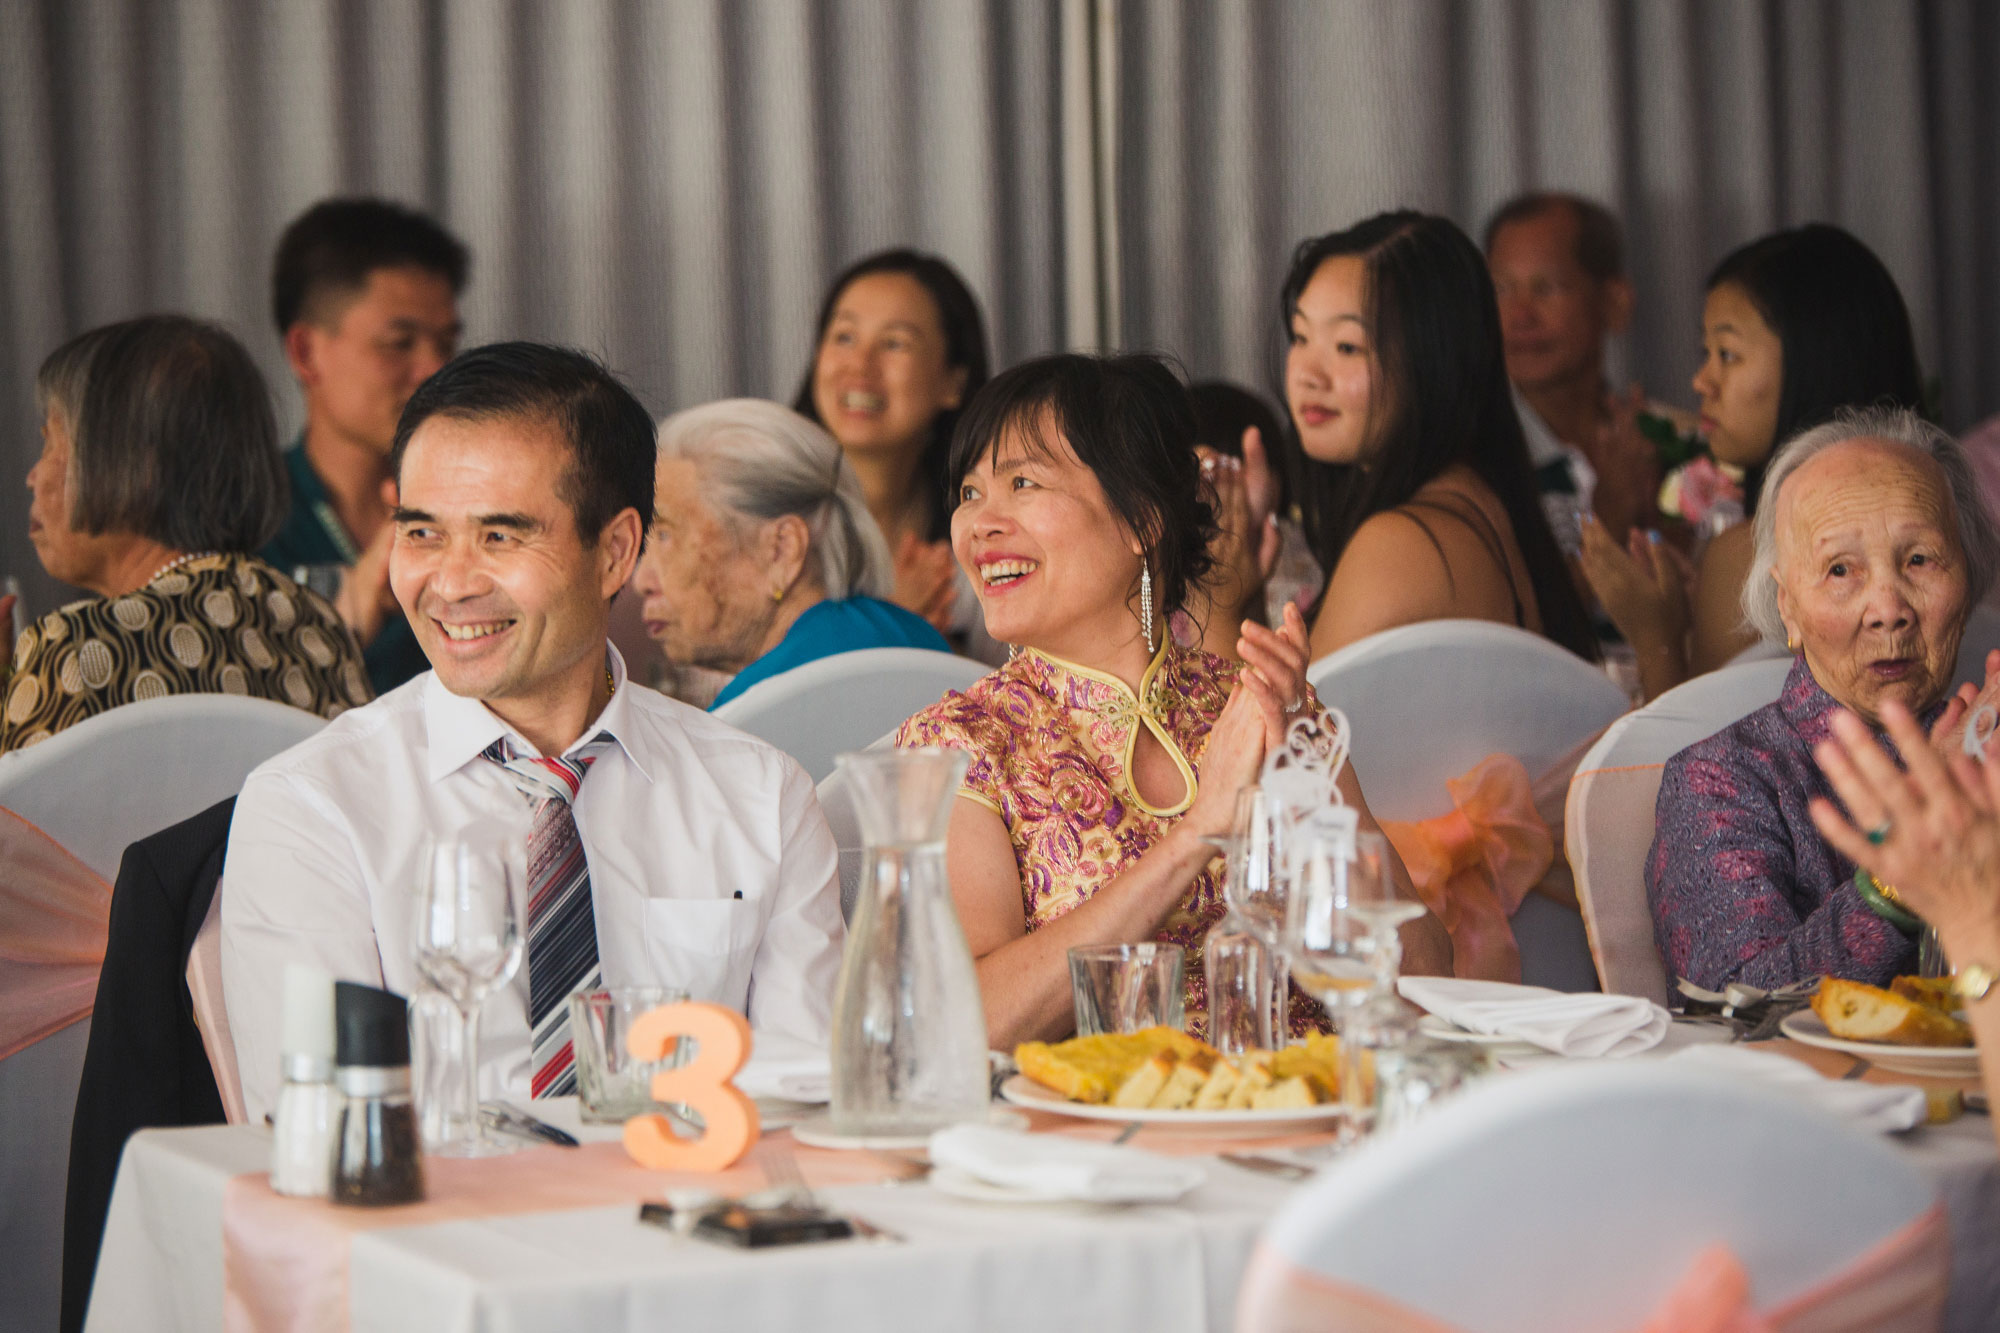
x: 1871, y: 548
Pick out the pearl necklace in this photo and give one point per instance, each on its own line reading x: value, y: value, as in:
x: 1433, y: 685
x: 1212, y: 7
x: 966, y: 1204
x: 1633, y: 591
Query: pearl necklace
x: 176, y: 563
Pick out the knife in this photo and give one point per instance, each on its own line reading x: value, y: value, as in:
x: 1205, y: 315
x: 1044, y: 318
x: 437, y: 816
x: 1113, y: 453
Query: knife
x: 495, y: 1115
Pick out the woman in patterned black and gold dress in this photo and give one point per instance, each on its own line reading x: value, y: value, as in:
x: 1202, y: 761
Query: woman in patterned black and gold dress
x: 159, y: 472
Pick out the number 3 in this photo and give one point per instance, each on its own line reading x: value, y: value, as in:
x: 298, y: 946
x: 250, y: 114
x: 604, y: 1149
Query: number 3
x: 723, y: 1041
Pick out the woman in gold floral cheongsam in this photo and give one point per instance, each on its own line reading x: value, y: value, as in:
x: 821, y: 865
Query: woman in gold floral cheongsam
x: 1103, y: 752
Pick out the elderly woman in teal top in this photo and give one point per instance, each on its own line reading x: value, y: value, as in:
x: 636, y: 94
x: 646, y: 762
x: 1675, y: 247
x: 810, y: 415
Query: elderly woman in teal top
x: 762, y: 555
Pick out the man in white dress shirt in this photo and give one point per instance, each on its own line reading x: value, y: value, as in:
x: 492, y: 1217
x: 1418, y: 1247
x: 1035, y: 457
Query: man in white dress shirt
x: 526, y: 488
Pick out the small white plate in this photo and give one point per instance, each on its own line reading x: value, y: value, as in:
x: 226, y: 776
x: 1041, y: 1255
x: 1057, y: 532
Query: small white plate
x: 1431, y: 1025
x: 1935, y: 1061
x: 1024, y: 1091
x: 818, y: 1132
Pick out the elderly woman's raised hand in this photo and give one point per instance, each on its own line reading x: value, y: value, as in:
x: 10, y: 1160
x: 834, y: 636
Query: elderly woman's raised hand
x: 1932, y: 832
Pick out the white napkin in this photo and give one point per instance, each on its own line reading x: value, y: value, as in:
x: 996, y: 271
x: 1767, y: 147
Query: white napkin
x: 1886, y: 1108
x: 1585, y: 1025
x: 786, y: 1070
x: 1046, y: 1164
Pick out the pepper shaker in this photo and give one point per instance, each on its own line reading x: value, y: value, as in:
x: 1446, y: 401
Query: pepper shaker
x: 378, y: 1157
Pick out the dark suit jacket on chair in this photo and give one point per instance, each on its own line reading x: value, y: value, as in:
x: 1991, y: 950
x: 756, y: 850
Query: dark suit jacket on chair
x: 145, y: 1065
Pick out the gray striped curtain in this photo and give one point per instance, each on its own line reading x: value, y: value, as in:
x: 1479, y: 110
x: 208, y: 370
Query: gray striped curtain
x: 669, y: 183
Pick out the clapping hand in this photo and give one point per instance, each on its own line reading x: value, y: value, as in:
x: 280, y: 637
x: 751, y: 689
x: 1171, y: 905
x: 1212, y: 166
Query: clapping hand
x: 1932, y: 832
x: 1643, y: 585
x: 927, y: 580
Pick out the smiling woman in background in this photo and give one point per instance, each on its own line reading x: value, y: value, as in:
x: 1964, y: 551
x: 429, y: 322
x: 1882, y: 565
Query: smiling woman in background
x: 899, y: 351
x: 159, y: 475
x: 1103, y: 752
x: 1870, y: 547
x: 1797, y: 325
x: 762, y: 555
x: 1416, y: 488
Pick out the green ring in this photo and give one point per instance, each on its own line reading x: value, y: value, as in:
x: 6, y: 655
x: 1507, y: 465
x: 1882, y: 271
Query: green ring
x: 1871, y: 893
x: 1879, y: 834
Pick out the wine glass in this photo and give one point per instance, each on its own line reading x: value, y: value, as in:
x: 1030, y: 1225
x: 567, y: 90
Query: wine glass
x: 1340, y: 935
x: 468, y: 942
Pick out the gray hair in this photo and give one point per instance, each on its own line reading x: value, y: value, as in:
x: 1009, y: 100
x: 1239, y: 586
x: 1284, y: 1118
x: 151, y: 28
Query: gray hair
x: 1978, y: 540
x: 760, y: 461
x: 171, y: 435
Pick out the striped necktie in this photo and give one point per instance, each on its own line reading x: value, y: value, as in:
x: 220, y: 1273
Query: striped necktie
x: 562, y: 928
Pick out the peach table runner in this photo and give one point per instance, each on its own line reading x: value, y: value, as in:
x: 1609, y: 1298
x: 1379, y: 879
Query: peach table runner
x: 285, y: 1261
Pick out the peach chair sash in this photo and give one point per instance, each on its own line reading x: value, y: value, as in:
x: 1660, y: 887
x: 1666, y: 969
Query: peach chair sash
x: 204, y: 981
x: 55, y: 913
x: 1899, y: 1286
x: 1473, y: 865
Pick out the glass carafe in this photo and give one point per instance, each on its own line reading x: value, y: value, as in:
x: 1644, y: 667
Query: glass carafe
x: 909, y: 1031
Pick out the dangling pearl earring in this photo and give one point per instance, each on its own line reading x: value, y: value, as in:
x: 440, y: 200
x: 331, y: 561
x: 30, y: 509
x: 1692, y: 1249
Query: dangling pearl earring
x: 1146, y: 604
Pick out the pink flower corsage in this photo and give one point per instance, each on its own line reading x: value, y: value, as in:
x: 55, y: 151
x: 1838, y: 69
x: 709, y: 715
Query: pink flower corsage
x: 1693, y: 490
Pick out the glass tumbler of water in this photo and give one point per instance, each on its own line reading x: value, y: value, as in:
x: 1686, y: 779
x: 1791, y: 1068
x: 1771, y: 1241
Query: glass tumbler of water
x: 1127, y: 987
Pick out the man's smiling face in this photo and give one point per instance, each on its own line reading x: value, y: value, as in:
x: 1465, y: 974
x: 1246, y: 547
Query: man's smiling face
x: 505, y: 596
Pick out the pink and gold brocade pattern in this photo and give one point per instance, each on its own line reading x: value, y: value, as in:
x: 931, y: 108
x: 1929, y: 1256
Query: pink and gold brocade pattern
x: 1051, y: 752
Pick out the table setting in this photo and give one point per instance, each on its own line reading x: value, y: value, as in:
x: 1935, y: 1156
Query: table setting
x: 906, y: 1176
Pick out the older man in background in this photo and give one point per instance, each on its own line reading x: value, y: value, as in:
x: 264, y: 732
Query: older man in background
x: 365, y: 294
x: 1558, y: 263
x: 525, y: 478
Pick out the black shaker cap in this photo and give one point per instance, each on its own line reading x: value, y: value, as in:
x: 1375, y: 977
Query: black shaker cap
x: 371, y: 1027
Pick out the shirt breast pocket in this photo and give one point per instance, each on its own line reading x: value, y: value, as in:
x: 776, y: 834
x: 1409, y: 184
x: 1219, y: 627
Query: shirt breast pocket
x: 703, y: 946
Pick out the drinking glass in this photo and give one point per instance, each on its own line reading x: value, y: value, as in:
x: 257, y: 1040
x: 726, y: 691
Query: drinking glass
x: 1126, y: 987
x: 468, y: 943
x: 1255, y: 886
x: 1340, y: 936
x: 612, y: 1084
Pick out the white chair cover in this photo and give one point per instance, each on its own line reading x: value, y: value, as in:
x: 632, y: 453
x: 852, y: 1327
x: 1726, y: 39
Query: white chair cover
x: 1609, y: 827
x: 1577, y: 1197
x: 96, y: 788
x: 123, y: 775
x: 1429, y: 701
x: 840, y: 703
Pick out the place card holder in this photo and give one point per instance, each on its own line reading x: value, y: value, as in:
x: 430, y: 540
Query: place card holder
x: 731, y: 1127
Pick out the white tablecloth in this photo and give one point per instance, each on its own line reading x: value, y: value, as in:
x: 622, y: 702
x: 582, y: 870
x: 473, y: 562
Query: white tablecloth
x: 964, y: 1265
x: 1173, y: 1269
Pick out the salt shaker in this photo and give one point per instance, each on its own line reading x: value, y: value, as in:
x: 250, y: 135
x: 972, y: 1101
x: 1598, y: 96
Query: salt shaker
x: 377, y: 1155
x: 302, y: 1137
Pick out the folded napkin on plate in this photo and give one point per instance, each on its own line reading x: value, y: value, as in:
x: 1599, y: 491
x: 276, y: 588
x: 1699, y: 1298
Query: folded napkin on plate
x: 1578, y: 1025
x: 787, y: 1077
x: 1046, y: 1164
x: 1886, y: 1108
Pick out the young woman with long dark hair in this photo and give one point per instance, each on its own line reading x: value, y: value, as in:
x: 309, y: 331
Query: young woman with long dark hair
x: 1405, y: 451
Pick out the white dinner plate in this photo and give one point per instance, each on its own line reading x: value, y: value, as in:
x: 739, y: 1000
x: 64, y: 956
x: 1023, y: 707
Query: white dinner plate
x: 1443, y: 1029
x: 1935, y: 1061
x: 818, y: 1132
x: 1024, y: 1091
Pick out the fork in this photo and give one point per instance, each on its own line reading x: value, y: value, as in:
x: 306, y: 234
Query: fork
x: 782, y: 1176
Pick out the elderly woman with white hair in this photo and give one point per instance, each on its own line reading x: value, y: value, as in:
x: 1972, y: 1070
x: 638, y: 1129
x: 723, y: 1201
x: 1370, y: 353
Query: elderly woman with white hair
x: 1871, y: 546
x: 762, y: 555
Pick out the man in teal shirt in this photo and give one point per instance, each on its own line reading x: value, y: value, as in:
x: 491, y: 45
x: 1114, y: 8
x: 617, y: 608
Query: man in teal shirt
x: 366, y: 298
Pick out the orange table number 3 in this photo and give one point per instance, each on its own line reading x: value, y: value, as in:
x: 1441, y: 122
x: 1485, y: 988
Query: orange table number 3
x: 722, y: 1041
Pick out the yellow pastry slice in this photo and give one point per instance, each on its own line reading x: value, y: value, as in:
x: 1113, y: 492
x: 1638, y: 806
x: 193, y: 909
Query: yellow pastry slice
x: 1214, y: 1094
x: 1188, y: 1078
x: 1256, y: 1076
x: 1855, y: 1012
x: 1291, y: 1094
x: 1143, y: 1084
x: 1092, y: 1069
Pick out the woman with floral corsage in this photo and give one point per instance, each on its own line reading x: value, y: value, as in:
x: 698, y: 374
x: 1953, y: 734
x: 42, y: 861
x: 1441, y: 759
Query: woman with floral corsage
x: 1103, y: 752
x: 1796, y: 326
